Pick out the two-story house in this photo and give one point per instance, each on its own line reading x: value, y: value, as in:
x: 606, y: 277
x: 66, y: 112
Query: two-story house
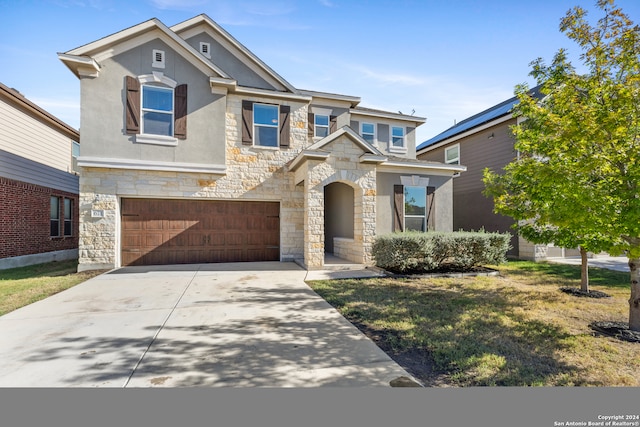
x: 194, y: 151
x: 484, y: 140
x: 38, y: 184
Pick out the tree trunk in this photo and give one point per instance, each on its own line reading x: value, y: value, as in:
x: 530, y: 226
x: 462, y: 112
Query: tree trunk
x: 634, y: 301
x: 584, y: 271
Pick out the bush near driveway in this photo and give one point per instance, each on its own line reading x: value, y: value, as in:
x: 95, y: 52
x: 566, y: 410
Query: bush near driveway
x: 416, y: 252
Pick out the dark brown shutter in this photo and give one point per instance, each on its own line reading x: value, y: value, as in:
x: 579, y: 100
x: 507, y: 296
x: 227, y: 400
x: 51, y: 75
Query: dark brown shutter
x: 431, y: 212
x: 333, y: 124
x: 398, y: 208
x: 311, y: 120
x: 180, y: 105
x: 247, y: 122
x: 285, y: 129
x: 133, y: 106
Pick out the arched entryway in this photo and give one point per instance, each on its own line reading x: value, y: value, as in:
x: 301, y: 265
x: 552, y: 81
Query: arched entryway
x: 339, y: 214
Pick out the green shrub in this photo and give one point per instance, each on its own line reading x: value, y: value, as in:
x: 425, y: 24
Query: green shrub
x: 420, y: 252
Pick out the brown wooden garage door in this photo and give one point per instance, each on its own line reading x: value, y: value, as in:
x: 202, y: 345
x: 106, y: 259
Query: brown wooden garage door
x: 156, y: 232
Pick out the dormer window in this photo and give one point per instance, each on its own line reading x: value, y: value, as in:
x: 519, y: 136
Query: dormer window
x: 205, y: 49
x: 158, y: 59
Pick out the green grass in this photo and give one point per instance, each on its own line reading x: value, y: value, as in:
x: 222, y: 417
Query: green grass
x: 516, y: 329
x: 25, y: 285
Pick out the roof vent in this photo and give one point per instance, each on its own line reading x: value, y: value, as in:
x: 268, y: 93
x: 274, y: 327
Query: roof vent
x: 158, y: 58
x: 205, y: 49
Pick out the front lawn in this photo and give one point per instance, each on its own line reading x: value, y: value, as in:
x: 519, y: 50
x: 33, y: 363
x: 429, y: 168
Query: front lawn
x: 25, y: 285
x: 516, y: 329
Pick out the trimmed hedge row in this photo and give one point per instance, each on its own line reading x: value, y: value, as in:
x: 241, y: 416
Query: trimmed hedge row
x: 415, y: 252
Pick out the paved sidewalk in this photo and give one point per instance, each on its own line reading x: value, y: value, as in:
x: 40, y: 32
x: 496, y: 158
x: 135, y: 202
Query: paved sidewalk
x: 207, y: 325
x: 620, y: 263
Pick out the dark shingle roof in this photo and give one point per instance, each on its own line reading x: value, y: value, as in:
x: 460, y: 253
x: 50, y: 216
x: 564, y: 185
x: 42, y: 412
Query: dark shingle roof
x: 485, y: 116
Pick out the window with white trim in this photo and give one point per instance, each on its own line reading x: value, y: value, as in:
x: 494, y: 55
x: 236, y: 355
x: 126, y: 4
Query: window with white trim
x: 321, y: 125
x: 415, y: 208
x: 157, y: 110
x: 265, y: 125
x: 397, y: 137
x: 368, y: 132
x: 452, y: 155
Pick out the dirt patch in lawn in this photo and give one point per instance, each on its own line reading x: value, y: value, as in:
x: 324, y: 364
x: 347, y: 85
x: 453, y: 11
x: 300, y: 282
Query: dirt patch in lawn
x: 417, y: 362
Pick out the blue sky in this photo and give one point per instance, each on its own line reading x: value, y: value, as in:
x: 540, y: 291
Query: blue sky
x: 446, y: 60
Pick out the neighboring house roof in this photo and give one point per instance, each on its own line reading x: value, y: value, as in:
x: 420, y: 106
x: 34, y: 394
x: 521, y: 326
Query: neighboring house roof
x: 18, y: 100
x: 489, y: 115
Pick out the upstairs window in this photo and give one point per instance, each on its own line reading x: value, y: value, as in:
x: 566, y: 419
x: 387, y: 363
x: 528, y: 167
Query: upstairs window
x: 397, y: 137
x: 321, y: 125
x: 157, y: 110
x: 452, y: 155
x: 265, y: 124
x: 368, y: 132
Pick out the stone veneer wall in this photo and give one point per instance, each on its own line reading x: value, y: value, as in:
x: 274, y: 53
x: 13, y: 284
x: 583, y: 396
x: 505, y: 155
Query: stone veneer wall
x: 252, y: 173
x: 343, y: 165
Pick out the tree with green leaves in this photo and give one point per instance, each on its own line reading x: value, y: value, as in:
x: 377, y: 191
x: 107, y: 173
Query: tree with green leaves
x: 576, y: 180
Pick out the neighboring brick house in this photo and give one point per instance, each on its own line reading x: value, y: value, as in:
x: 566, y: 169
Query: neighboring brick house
x: 483, y: 141
x: 38, y: 185
x: 194, y: 150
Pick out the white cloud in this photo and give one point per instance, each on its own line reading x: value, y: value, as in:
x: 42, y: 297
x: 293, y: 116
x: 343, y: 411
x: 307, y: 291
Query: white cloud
x: 326, y: 3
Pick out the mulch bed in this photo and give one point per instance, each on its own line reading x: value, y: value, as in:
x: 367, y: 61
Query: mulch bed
x: 580, y: 293
x: 618, y: 330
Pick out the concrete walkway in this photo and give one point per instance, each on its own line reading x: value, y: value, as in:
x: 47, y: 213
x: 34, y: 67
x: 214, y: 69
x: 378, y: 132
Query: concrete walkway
x: 209, y: 325
x: 619, y: 263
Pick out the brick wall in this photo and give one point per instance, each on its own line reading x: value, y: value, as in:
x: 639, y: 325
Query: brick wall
x: 25, y: 222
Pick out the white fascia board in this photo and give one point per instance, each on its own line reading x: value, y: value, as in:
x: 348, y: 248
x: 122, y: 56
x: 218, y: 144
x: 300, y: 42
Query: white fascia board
x: 372, y: 158
x: 229, y: 41
x: 241, y: 90
x: 388, y: 115
x: 471, y: 131
x: 81, y: 66
x: 352, y: 100
x: 431, y: 168
x: 307, y: 155
x: 100, y: 162
x: 130, y: 38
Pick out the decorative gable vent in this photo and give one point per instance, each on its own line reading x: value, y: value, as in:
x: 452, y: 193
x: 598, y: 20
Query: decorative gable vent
x: 205, y: 49
x: 158, y: 58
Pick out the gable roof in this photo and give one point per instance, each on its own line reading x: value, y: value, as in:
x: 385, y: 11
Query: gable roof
x: 491, y: 114
x: 183, y: 30
x: 85, y: 60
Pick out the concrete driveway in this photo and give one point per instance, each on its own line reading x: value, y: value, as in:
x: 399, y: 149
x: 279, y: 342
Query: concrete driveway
x: 208, y: 325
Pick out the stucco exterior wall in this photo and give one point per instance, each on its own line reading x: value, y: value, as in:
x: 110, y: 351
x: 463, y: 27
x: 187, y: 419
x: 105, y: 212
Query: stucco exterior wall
x: 442, y: 203
x: 103, y: 105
